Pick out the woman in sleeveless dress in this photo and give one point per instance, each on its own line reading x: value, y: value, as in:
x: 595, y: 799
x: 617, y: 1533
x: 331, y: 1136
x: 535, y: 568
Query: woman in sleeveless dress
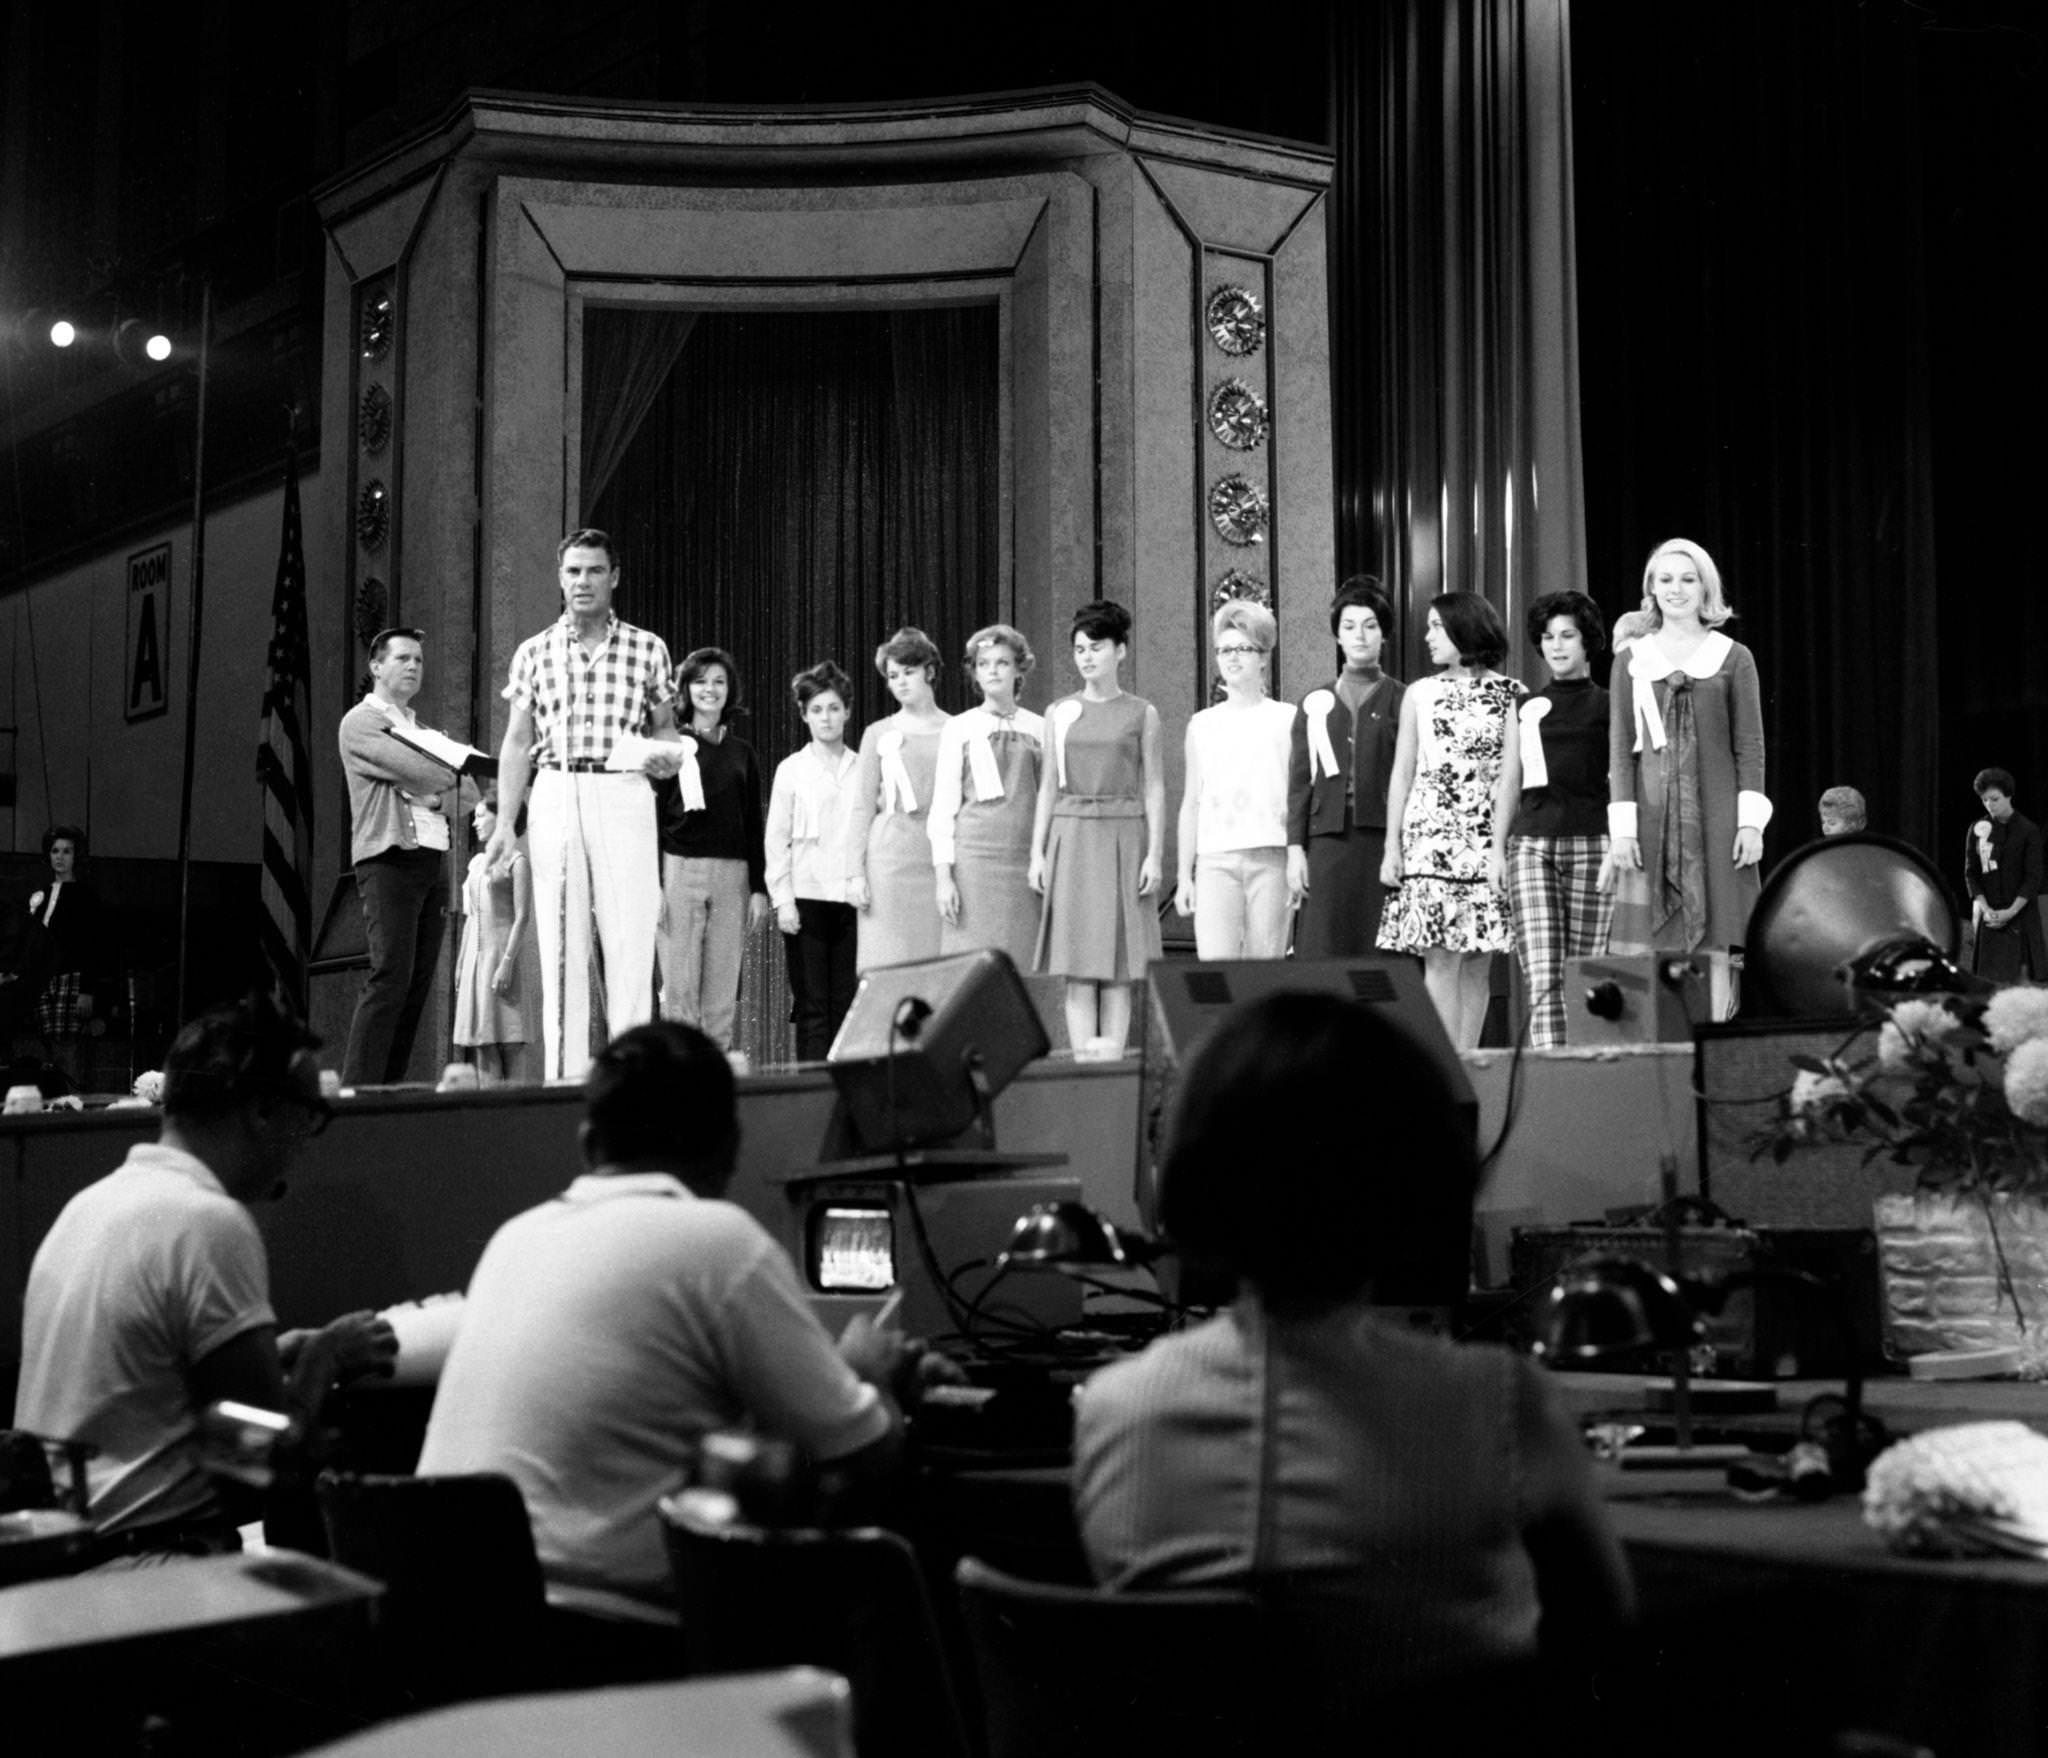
x: 1446, y: 890
x: 891, y: 884
x: 1097, y: 840
x: 497, y: 970
x: 984, y: 799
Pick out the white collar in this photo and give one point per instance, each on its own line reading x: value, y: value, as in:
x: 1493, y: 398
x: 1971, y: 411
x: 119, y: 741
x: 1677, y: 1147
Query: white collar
x: 594, y: 1187
x: 391, y: 710
x: 1647, y: 659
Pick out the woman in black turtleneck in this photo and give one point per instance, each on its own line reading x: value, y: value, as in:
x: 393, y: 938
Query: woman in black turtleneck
x: 1550, y: 835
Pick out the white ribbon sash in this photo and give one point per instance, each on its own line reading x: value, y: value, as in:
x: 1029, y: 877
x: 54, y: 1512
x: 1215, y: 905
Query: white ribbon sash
x: 897, y: 792
x: 690, y: 778
x: 1535, y: 770
x: 981, y: 765
x: 1061, y: 715
x: 1647, y: 663
x: 1322, y: 754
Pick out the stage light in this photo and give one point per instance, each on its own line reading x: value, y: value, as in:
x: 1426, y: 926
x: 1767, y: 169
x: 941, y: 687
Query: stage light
x: 158, y: 347
x: 63, y: 333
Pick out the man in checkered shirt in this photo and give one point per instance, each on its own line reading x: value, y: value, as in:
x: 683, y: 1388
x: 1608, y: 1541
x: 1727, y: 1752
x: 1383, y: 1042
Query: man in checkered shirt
x: 575, y: 689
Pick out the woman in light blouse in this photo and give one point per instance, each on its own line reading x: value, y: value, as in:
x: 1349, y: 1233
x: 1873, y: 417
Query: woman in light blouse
x: 810, y: 860
x: 1234, y: 874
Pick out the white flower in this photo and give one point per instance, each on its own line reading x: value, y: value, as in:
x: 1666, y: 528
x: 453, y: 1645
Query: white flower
x: 2026, y: 1082
x: 149, y: 1087
x: 2014, y: 1015
x: 36, y: 901
x: 1811, y: 1091
x: 1914, y: 1026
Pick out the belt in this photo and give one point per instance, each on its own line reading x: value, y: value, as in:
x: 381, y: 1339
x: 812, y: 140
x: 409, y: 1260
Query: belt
x: 582, y: 766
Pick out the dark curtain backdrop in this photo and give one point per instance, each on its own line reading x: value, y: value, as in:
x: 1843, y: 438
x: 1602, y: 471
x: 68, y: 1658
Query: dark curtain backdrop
x: 803, y: 485
x: 1754, y: 351
x: 1454, y: 327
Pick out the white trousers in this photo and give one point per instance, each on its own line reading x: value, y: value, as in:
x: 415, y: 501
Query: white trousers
x: 1241, y: 904
x: 596, y: 855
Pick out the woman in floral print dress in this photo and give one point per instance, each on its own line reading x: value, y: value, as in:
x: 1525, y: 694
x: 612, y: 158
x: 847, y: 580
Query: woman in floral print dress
x: 1446, y: 894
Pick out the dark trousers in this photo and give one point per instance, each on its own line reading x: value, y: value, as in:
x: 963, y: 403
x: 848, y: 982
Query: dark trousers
x: 821, y: 974
x: 404, y: 894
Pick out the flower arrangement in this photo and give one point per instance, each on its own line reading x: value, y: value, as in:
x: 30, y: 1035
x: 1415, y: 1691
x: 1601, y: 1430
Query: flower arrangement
x: 1954, y: 1086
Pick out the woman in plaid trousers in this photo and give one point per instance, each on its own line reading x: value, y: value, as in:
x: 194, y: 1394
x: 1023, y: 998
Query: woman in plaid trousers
x: 1550, y: 835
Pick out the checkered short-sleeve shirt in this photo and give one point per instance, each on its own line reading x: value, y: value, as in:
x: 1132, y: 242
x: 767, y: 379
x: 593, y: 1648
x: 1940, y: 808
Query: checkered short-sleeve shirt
x: 582, y: 703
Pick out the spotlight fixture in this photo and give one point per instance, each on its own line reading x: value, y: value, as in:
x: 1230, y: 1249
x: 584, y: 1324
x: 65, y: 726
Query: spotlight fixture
x: 158, y: 347
x: 63, y: 333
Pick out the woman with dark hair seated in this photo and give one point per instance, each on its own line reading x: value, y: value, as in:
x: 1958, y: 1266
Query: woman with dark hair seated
x: 1427, y: 1501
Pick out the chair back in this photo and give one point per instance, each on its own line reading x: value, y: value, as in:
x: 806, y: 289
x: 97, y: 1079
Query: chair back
x: 465, y: 1602
x: 850, y: 1599
x: 1082, y: 1671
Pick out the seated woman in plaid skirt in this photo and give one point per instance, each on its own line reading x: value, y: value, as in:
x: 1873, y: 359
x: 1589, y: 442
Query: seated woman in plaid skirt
x: 1550, y: 835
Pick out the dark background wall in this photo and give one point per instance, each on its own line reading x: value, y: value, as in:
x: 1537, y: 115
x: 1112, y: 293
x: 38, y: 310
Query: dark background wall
x: 1776, y: 205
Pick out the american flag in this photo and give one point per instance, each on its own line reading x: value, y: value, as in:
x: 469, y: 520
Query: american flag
x: 284, y: 769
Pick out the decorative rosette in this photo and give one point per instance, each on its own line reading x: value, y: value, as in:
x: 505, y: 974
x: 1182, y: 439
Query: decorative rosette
x: 1237, y: 324
x: 1238, y: 584
x: 1237, y: 416
x: 1239, y: 511
x: 379, y: 324
x: 373, y: 420
x: 373, y: 515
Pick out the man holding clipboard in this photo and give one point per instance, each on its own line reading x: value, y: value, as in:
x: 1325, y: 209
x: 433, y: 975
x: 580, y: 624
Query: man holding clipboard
x: 399, y: 843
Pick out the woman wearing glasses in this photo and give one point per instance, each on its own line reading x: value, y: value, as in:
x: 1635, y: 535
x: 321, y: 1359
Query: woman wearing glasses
x: 1234, y: 876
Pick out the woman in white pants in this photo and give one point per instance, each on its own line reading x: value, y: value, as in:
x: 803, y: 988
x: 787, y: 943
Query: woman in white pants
x: 1233, y: 809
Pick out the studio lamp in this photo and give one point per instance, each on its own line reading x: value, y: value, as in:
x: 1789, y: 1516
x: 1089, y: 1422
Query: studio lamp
x: 1610, y: 1306
x: 1071, y: 1235
x: 1832, y: 904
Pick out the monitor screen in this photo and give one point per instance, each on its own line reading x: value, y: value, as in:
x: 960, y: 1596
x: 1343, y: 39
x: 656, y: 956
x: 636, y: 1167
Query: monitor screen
x: 852, y: 1248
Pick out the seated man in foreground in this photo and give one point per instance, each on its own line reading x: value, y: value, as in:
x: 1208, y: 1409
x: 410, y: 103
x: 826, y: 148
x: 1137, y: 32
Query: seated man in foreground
x: 1426, y: 1503
x: 607, y: 1330
x: 149, y: 1299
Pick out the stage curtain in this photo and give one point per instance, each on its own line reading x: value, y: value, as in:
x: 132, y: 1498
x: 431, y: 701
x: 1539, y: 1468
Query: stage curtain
x: 627, y: 357
x: 805, y: 484
x: 1755, y: 345
x: 1454, y: 310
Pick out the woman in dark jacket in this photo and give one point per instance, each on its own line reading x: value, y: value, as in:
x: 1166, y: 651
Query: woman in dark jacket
x: 1342, y: 758
x: 2002, y: 869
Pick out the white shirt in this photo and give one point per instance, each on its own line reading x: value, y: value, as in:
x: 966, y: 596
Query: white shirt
x: 603, y: 1333
x: 809, y: 839
x: 145, y: 1273
x: 1243, y: 752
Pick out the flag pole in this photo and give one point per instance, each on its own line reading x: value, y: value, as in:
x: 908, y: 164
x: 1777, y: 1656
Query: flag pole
x: 195, y: 591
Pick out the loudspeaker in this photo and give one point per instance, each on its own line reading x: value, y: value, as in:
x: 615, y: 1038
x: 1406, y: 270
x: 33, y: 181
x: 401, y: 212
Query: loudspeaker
x: 1189, y: 999
x: 924, y: 1045
x: 1645, y: 998
x: 1740, y: 1070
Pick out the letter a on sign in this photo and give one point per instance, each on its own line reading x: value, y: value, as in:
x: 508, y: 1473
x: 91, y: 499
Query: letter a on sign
x: 149, y: 609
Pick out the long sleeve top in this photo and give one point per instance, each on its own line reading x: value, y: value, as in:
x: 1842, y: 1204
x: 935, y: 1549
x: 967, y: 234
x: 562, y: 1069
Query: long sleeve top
x: 390, y: 784
x: 728, y: 828
x: 810, y: 827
